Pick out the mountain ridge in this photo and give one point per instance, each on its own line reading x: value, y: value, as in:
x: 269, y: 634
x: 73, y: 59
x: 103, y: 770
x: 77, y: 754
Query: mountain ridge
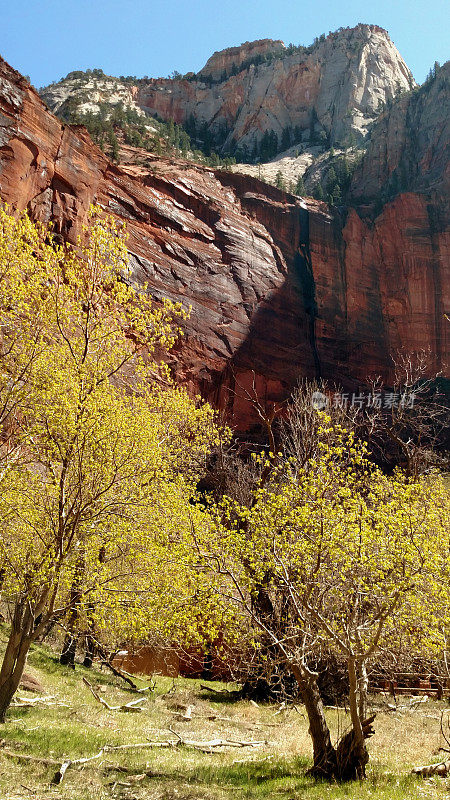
x: 328, y: 91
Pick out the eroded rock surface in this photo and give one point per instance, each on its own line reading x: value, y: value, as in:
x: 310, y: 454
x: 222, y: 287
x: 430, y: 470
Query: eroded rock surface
x: 278, y: 288
x: 327, y: 93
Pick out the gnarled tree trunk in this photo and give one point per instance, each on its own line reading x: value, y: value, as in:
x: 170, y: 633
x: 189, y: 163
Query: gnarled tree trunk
x: 14, y: 660
x: 324, y: 754
x: 348, y: 759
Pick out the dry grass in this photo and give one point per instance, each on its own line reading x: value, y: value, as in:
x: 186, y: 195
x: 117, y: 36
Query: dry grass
x: 277, y: 770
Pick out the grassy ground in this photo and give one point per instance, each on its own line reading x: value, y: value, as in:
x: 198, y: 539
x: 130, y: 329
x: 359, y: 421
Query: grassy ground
x: 277, y: 770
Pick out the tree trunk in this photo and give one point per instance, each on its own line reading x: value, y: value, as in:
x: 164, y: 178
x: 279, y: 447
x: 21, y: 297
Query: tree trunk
x: 352, y: 755
x: 67, y: 656
x: 324, y: 754
x: 89, y: 651
x: 363, y: 688
x: 15, y: 657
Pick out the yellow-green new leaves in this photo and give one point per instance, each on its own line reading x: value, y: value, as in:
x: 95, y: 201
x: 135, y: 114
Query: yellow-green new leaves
x: 103, y: 452
x: 344, y: 553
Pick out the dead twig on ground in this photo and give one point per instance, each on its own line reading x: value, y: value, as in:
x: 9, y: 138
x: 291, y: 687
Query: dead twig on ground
x: 209, y: 746
x: 132, y: 706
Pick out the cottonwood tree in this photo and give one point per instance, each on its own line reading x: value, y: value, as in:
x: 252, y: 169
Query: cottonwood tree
x: 106, y: 451
x: 25, y: 261
x: 332, y: 553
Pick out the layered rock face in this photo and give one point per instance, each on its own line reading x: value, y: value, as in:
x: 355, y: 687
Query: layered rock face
x: 337, y: 88
x: 409, y: 145
x: 401, y: 218
x: 279, y: 288
x: 223, y: 62
x: 327, y: 93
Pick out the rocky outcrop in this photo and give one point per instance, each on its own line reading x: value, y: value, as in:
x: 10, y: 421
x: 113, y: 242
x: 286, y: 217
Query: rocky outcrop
x: 223, y: 62
x: 327, y: 93
x: 409, y: 145
x: 87, y: 94
x: 333, y: 89
x: 278, y: 288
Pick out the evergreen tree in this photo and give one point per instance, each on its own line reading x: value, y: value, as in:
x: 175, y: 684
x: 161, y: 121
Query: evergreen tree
x: 273, y: 138
x: 331, y: 179
x: 318, y: 192
x: 300, y: 186
x: 115, y: 152
x: 337, y: 195
x: 279, y: 181
x: 171, y: 130
x: 264, y: 146
x: 286, y: 138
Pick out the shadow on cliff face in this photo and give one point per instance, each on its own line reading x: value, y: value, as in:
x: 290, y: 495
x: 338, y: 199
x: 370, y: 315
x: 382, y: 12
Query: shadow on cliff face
x: 281, y: 343
x: 305, y: 328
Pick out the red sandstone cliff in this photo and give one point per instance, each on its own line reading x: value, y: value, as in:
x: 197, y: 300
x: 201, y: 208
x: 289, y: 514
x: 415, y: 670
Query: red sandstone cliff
x: 224, y: 62
x: 275, y: 288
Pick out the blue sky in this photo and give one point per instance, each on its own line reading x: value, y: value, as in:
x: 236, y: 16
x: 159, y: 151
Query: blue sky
x: 46, y: 39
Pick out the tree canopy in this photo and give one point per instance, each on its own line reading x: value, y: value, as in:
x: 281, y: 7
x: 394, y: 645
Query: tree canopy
x: 102, y: 451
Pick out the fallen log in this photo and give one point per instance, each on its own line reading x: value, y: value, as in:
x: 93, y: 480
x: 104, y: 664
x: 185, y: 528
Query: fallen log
x: 205, y: 747
x: 442, y: 769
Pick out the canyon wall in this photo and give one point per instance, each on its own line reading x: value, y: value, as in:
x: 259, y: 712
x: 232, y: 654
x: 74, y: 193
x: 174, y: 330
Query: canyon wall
x: 279, y: 288
x: 327, y: 93
x: 337, y: 88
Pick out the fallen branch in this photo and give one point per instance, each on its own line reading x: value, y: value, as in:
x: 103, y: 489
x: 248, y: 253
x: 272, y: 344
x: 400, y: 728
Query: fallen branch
x: 442, y: 769
x: 115, y: 670
x: 132, y: 706
x: 30, y: 702
x: 180, y: 741
x: 151, y: 687
x: 221, y: 692
x: 413, y: 703
x: 205, y: 747
x: 119, y: 674
x: 45, y: 698
x: 59, y: 776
